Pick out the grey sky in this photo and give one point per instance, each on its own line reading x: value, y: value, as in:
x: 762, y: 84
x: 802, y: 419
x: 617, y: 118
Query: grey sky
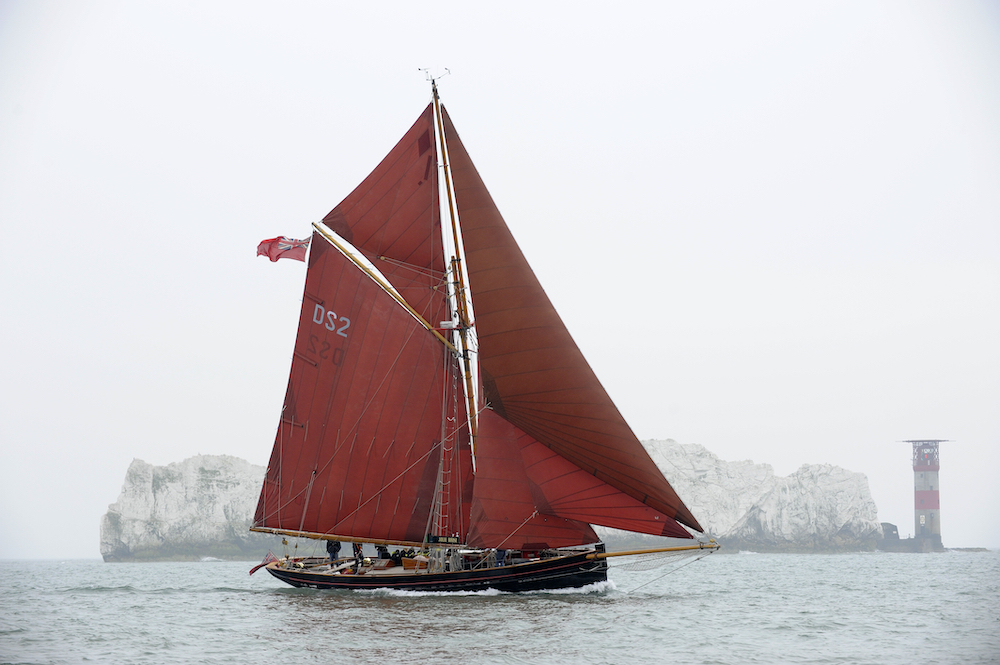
x: 773, y: 229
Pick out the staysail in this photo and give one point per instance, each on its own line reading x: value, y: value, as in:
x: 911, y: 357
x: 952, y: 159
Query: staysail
x: 526, y: 494
x: 533, y: 374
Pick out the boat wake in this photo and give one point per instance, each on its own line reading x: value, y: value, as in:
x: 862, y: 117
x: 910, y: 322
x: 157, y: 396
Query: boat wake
x: 605, y: 586
x: 401, y: 593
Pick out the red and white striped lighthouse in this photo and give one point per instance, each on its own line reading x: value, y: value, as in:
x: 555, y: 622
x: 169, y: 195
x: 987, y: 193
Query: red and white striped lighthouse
x: 926, y: 488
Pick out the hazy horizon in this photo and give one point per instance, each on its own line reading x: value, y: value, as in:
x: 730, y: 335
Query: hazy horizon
x: 773, y: 230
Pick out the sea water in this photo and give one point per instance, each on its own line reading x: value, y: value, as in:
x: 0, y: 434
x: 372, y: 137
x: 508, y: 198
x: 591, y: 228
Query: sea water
x: 727, y: 608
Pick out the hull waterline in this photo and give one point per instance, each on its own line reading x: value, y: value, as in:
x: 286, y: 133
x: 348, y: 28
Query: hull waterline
x: 563, y: 572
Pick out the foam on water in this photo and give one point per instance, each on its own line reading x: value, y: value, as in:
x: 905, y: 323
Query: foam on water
x: 596, y: 588
x: 397, y: 593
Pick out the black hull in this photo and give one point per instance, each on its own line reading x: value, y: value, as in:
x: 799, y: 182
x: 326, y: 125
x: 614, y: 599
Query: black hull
x: 563, y: 572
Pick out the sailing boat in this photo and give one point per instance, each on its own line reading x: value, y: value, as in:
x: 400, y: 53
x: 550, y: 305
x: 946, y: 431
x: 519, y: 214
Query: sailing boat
x: 437, y: 404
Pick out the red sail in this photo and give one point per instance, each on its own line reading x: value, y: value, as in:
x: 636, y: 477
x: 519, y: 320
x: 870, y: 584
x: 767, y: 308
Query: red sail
x: 504, y: 509
x: 393, y: 217
x: 357, y: 449
x: 519, y: 476
x: 534, y: 376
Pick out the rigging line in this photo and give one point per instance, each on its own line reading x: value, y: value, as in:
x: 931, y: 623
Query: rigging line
x: 391, y: 482
x: 511, y: 534
x: 364, y: 410
x: 385, y: 286
x: 385, y: 377
x: 433, y: 524
x: 462, y: 299
x: 457, y: 457
x: 413, y: 267
x: 280, y: 443
x: 385, y: 487
x: 305, y: 508
x: 367, y: 465
x: 672, y: 570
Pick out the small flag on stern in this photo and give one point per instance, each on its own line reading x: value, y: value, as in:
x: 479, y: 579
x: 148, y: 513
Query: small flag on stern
x: 268, y: 559
x: 283, y: 248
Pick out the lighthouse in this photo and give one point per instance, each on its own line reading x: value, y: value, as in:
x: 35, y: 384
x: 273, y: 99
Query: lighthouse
x: 926, y: 488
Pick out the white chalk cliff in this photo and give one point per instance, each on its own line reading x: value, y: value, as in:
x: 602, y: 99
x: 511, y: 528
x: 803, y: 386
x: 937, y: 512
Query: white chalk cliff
x: 201, y: 507
x: 204, y: 506
x: 820, y: 507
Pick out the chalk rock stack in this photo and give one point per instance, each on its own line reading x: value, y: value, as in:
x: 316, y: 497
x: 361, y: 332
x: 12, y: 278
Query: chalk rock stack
x: 199, y: 508
x: 819, y: 508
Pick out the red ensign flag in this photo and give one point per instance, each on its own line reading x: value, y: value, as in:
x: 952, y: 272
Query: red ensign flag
x: 283, y: 248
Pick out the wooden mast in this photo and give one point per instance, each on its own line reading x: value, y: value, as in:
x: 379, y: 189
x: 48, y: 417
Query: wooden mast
x: 464, y: 324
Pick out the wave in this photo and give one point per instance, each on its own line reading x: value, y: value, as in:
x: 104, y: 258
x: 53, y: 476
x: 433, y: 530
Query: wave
x: 100, y: 588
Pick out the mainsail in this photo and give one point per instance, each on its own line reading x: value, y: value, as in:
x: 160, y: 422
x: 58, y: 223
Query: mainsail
x: 374, y: 441
x: 358, y: 448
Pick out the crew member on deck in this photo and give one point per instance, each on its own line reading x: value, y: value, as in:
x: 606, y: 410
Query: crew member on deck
x: 358, y: 554
x: 333, y: 549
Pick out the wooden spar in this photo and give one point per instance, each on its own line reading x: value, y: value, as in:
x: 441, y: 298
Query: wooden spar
x: 711, y: 545
x: 330, y: 536
x: 381, y: 282
x: 456, y: 264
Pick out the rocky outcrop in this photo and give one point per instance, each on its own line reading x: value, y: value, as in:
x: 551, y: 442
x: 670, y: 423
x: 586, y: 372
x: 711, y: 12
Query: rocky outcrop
x: 819, y: 508
x: 201, y: 507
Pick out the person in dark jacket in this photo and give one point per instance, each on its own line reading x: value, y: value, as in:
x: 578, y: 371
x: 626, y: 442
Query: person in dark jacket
x: 358, y: 556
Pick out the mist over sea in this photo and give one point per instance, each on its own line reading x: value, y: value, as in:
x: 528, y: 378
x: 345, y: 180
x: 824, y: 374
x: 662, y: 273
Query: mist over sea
x: 727, y: 608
